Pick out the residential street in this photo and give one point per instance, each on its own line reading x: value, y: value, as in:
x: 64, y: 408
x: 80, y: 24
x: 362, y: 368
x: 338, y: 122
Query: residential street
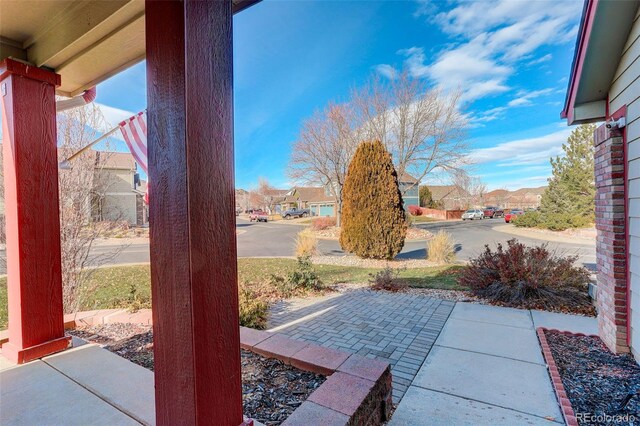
x: 277, y: 239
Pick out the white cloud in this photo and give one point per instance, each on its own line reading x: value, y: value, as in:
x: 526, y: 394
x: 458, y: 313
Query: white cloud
x: 387, y: 71
x: 542, y: 59
x: 525, y: 98
x: 491, y: 38
x: 523, y: 151
x: 113, y: 116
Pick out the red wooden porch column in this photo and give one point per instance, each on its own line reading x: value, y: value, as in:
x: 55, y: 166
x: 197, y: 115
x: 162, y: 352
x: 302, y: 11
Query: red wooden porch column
x: 34, y: 278
x: 192, y: 219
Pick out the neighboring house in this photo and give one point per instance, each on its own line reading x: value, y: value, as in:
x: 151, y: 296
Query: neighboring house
x: 317, y: 199
x: 272, y: 199
x: 604, y: 85
x: 243, y: 202
x: 119, y: 195
x: 410, y: 189
x: 450, y: 197
x: 523, y: 198
x: 497, y: 197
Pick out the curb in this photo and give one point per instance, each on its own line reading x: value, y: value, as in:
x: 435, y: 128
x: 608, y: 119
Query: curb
x: 563, y: 400
x: 563, y: 239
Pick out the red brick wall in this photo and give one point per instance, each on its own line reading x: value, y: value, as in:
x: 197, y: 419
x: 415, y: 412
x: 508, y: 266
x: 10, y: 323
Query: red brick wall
x: 611, y: 241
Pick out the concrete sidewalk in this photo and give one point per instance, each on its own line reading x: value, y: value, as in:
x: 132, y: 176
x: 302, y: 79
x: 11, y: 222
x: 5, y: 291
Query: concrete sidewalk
x: 486, y: 368
x: 86, y: 385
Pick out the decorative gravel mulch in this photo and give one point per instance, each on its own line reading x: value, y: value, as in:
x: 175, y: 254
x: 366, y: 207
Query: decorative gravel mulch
x: 371, y: 263
x: 271, y: 390
x: 413, y: 233
x: 596, y: 380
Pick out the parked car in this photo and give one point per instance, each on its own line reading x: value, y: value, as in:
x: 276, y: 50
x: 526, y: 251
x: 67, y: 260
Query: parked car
x: 288, y: 214
x: 258, y: 216
x: 512, y: 215
x: 493, y: 212
x: 472, y: 214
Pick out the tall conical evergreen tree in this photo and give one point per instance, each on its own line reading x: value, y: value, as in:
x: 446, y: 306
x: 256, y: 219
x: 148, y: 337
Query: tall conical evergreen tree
x: 572, y: 184
x: 373, y: 219
x: 426, y: 198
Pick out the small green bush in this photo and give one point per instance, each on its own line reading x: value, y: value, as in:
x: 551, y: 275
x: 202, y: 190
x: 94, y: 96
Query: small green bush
x: 552, y: 221
x: 253, y: 310
x: 528, y: 220
x: 302, y: 277
x: 560, y: 222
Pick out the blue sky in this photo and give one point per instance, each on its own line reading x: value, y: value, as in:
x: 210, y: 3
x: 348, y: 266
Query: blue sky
x: 510, y: 58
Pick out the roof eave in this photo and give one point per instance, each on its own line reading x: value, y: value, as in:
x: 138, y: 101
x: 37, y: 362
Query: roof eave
x: 604, y: 30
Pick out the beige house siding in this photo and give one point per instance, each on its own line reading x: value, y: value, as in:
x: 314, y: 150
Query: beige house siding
x: 120, y: 207
x: 625, y: 90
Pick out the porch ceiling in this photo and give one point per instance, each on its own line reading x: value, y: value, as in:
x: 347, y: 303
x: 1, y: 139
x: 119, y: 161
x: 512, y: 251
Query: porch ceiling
x: 85, y: 41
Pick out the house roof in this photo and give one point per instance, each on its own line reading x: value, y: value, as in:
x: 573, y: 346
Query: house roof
x: 273, y: 192
x: 312, y: 193
x: 527, y: 191
x: 439, y: 192
x: 85, y: 42
x: 115, y: 160
x: 497, y: 193
x: 604, y: 30
x: 407, y: 178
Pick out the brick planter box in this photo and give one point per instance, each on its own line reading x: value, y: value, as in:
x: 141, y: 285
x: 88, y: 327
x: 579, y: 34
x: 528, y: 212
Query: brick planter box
x: 356, y: 392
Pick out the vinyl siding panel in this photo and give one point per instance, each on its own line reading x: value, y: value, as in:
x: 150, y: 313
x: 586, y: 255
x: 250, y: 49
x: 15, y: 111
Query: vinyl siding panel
x: 625, y: 90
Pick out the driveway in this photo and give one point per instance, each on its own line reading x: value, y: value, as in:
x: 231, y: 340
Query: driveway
x: 275, y: 239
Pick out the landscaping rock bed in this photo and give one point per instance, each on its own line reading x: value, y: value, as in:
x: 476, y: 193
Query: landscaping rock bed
x: 413, y: 233
x: 596, y: 380
x: 271, y: 390
x: 371, y: 263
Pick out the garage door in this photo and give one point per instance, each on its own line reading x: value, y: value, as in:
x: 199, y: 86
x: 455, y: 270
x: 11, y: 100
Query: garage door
x: 326, y: 210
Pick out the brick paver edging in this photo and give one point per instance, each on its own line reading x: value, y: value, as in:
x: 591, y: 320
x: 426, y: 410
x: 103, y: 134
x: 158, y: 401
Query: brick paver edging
x: 357, y: 391
x: 565, y: 404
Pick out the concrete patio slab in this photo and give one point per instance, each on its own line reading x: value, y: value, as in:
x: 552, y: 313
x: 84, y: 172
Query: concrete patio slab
x: 492, y: 314
x: 423, y: 406
x: 493, y: 339
x: 507, y: 383
x: 37, y: 394
x: 565, y: 322
x: 5, y: 363
x: 119, y: 382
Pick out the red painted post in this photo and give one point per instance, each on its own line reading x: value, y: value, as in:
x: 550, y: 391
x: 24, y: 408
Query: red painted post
x: 192, y: 219
x: 34, y: 278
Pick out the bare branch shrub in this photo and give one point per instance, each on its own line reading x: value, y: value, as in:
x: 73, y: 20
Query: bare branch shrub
x: 79, y: 187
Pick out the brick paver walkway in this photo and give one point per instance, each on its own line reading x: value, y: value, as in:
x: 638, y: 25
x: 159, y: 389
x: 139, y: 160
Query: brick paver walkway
x: 399, y: 328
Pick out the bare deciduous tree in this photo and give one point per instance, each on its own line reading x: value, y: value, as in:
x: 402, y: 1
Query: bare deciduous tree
x: 79, y: 186
x: 324, y: 149
x: 471, y: 185
x: 422, y: 127
x: 265, y: 196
